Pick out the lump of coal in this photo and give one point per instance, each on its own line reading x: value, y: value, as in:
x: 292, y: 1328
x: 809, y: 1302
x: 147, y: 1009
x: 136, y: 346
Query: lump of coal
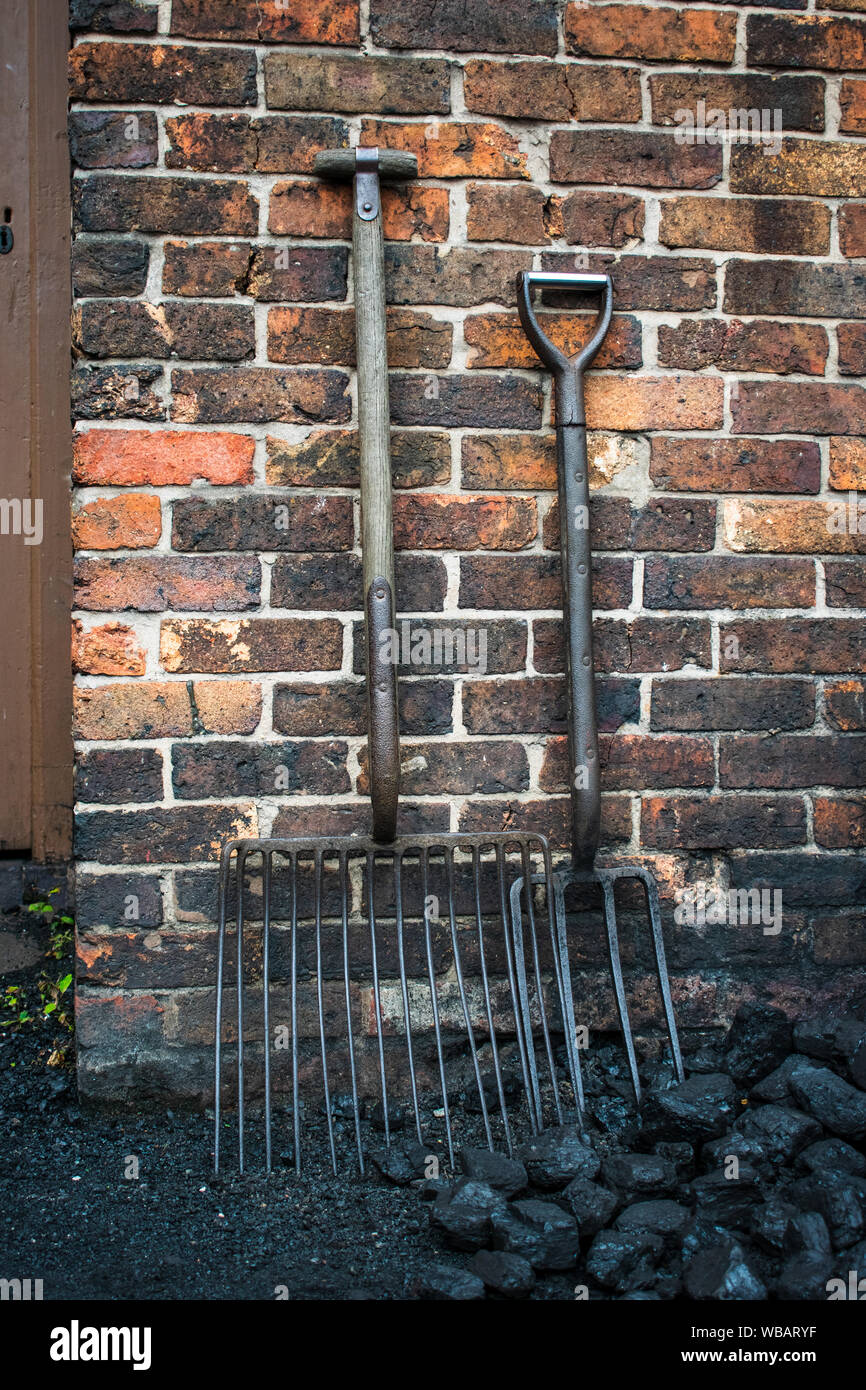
x: 639, y: 1173
x: 727, y: 1201
x: 447, y: 1283
x: 557, y: 1155
x: 758, y: 1040
x: 776, y: 1087
x: 503, y: 1174
x: 680, y: 1154
x: 839, y: 1106
x: 780, y: 1133
x: 401, y: 1164
x: 832, y: 1153
x: 804, y: 1276
x: 667, y: 1219
x: 841, y: 1200
x: 464, y: 1214
x: 723, y: 1272
x: 510, y: 1275
x: 624, y: 1260
x: 698, y: 1109
x: 541, y: 1232
x: 592, y: 1205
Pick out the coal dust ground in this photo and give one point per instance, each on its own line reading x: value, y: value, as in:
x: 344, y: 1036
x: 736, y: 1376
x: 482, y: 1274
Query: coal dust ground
x: 71, y: 1216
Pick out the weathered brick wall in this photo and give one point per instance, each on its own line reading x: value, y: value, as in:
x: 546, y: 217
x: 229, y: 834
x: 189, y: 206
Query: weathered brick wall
x: 216, y: 517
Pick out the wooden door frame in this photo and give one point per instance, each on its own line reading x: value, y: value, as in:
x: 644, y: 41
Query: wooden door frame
x: 37, y: 179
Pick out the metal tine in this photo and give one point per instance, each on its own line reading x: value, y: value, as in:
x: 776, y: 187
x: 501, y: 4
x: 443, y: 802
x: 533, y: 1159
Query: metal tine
x: 449, y: 876
x: 225, y: 870
x: 654, y: 907
x: 344, y: 891
x: 371, y: 910
x: 476, y: 870
x: 616, y: 974
x: 240, y: 863
x: 539, y: 986
x: 566, y: 995
x: 266, y: 972
x: 398, y: 900
x: 512, y: 985
x: 319, y: 870
x: 296, y: 1111
x: 533, y: 1093
x: 434, y: 1001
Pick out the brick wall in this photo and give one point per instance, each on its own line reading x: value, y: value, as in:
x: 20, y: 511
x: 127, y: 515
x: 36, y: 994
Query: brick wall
x: 216, y: 512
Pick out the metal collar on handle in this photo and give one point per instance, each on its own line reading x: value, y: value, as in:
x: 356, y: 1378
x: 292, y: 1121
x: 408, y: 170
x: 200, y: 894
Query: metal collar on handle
x: 588, y: 282
x: 367, y: 182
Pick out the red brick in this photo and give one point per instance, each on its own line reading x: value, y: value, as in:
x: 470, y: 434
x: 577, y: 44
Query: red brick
x: 668, y: 283
x: 245, y: 144
x: 845, y: 582
x: 112, y: 649
x: 645, y: 159
x: 770, y: 407
x: 160, y: 74
x: 461, y: 275
x: 306, y: 209
x: 113, y: 139
x: 486, y: 26
x: 800, y: 288
x: 527, y: 462
x: 731, y: 702
x: 792, y: 760
x: 779, y: 226
x: 721, y: 581
x: 331, y: 458
x: 637, y: 761
x: 132, y: 709
x: 552, y: 91
x: 449, y: 522
x: 845, y: 705
x: 161, y: 457
x: 465, y: 401
x: 800, y: 98
x: 550, y: 815
x: 839, y: 824
x: 810, y: 645
x: 243, y: 395
x: 450, y: 149
x: 124, y: 328
x: 654, y: 403
x: 851, y: 338
x: 340, y: 82
x: 161, y: 835
x: 762, y: 345
x: 822, y: 168
x: 643, y: 644
x: 498, y: 340
x: 214, y: 268
x: 327, y: 336
x: 534, y: 581
x: 221, y: 768
x: 601, y: 219
x: 791, y: 527
x: 153, y: 583
x: 251, y: 644
x: 658, y: 33
x: 268, y: 21
x: 263, y: 521
x: 847, y: 464
x: 149, y: 203
x: 806, y: 41
x: 226, y: 707
x: 722, y: 822
x: 852, y: 100
x: 475, y: 768
x: 129, y: 522
x: 519, y: 213
x: 735, y: 465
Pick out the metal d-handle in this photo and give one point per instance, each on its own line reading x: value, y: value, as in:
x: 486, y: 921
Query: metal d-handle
x: 576, y: 555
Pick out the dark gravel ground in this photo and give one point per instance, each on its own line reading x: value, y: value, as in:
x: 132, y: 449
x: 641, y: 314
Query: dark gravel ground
x: 70, y: 1216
